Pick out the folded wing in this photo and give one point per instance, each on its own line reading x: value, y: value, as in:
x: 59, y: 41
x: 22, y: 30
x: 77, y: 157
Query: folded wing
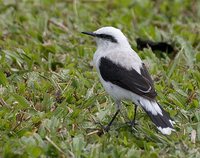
x: 131, y: 80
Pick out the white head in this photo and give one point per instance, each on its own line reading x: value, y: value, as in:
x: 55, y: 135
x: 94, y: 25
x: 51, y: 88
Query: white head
x: 109, y: 37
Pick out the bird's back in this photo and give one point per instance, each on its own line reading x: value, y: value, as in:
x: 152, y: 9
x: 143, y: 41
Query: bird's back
x: 126, y: 58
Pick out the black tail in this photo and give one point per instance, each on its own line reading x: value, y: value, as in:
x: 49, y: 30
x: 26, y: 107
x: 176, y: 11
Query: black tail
x: 160, y: 118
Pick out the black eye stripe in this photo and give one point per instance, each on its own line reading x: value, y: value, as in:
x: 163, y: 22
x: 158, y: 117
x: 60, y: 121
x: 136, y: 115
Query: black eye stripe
x: 107, y: 37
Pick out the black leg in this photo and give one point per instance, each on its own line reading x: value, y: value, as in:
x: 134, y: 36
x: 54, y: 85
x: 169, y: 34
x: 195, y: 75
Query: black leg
x: 107, y: 128
x: 132, y: 122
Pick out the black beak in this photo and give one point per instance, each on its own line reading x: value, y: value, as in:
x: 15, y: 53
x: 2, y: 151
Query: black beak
x: 90, y: 33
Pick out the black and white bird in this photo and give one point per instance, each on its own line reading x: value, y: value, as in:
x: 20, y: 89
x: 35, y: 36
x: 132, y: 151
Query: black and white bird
x: 125, y: 77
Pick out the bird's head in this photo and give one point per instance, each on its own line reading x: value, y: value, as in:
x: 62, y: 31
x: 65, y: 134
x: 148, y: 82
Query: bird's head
x: 108, y: 37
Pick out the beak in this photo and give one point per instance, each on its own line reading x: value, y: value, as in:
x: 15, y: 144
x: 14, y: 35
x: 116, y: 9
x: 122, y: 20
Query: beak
x: 90, y: 33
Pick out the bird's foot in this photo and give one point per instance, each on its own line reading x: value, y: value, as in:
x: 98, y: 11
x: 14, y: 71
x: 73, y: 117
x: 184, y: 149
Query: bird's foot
x: 103, y: 129
x: 132, y: 123
x: 106, y: 129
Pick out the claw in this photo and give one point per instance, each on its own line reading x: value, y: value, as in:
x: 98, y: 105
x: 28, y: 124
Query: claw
x: 132, y: 123
x: 103, y: 129
x: 106, y: 129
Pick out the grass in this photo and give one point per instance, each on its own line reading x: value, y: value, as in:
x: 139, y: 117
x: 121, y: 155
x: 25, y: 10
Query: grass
x: 51, y: 98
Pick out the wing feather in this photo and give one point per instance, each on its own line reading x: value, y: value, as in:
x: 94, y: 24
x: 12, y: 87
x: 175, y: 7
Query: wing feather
x: 131, y: 80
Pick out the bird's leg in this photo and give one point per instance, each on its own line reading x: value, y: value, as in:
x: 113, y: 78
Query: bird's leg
x: 107, y: 128
x: 133, y: 123
x: 118, y: 104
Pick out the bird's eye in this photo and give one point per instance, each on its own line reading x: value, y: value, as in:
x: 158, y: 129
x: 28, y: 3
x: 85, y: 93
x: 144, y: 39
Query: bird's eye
x: 107, y: 37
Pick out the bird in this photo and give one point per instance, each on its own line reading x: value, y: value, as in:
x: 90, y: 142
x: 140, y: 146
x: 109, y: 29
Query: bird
x: 124, y: 76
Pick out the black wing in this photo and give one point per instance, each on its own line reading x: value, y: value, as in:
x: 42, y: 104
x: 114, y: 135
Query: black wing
x: 141, y: 84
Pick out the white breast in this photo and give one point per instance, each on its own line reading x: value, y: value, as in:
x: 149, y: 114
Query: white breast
x: 129, y: 60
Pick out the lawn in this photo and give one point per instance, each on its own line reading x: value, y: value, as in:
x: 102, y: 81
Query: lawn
x: 50, y: 97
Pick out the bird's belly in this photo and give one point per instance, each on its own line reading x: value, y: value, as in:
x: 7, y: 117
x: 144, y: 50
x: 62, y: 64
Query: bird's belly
x: 116, y: 92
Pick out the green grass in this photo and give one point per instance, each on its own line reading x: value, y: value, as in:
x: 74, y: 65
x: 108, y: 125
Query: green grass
x: 51, y: 98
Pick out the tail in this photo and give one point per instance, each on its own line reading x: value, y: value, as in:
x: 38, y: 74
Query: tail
x: 158, y: 115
